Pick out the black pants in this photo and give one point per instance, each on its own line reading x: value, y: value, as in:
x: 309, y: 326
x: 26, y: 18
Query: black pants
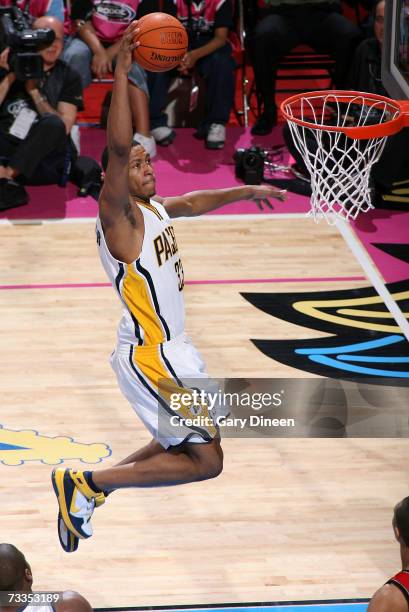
x: 218, y: 71
x: 41, y: 157
x: 323, y: 28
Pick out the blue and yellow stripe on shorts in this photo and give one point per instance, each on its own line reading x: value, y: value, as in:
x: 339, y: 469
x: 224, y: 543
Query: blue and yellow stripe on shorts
x: 157, y: 375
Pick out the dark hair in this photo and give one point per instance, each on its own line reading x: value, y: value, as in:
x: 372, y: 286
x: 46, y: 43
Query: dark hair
x: 12, y: 568
x: 401, y: 519
x: 375, y: 8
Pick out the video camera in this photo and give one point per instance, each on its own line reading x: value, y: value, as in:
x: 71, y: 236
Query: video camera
x: 255, y: 165
x: 16, y: 33
x: 249, y: 165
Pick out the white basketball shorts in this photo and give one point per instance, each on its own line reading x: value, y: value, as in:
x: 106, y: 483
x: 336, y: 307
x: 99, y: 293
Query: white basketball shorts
x: 154, y: 379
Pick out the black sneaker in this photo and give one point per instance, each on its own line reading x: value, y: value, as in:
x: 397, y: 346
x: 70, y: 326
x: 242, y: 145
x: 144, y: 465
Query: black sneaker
x: 12, y: 194
x: 263, y: 126
x: 201, y: 132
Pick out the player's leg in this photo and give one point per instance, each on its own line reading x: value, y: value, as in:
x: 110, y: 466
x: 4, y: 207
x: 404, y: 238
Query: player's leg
x: 151, y: 449
x: 69, y: 542
x: 79, y: 492
x: 195, y: 462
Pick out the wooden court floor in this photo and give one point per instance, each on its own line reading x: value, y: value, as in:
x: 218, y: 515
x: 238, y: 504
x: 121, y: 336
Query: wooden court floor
x: 287, y: 520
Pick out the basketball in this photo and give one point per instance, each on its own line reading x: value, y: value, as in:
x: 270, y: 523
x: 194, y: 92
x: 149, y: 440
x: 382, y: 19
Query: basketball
x: 163, y: 42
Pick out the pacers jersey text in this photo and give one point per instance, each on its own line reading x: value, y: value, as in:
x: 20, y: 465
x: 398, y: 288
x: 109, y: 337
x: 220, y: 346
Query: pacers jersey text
x: 150, y: 287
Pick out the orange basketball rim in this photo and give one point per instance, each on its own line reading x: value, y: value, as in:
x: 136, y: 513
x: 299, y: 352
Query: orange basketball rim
x: 340, y: 135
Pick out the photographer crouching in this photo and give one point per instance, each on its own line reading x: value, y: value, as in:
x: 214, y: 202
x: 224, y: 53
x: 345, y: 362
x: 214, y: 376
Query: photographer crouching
x: 36, y: 117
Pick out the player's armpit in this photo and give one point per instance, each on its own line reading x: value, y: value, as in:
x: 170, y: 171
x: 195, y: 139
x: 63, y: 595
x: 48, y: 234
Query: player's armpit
x: 73, y: 602
x: 388, y: 598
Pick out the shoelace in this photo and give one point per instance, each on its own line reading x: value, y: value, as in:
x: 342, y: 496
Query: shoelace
x: 90, y: 508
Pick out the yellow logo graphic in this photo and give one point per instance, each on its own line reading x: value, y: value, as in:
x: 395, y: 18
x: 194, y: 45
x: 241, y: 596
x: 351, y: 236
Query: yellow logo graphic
x: 16, y: 447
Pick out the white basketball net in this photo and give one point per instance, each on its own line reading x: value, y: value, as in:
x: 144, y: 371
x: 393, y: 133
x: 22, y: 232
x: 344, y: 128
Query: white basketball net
x: 339, y: 165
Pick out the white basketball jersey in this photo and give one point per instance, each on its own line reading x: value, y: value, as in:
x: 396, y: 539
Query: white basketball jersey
x: 151, y: 287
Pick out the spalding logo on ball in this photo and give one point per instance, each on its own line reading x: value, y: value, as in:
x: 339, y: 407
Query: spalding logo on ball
x: 163, y: 42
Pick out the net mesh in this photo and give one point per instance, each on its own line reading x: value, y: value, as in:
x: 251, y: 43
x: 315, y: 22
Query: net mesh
x: 339, y: 165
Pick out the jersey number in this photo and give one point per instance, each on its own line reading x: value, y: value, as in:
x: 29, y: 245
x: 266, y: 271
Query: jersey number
x: 181, y: 276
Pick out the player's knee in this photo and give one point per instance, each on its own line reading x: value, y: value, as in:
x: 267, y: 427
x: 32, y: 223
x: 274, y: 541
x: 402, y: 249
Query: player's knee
x: 211, y: 467
x: 217, y: 468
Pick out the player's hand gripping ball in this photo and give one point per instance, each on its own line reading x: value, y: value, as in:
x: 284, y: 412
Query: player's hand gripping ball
x: 163, y: 42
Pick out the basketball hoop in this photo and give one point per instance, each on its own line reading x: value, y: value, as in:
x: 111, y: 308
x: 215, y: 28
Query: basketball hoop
x: 340, y: 135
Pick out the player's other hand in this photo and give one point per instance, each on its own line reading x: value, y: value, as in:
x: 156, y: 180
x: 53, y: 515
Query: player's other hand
x: 263, y: 192
x: 128, y: 44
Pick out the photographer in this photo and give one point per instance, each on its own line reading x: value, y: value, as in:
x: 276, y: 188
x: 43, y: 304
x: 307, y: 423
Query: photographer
x: 36, y: 117
x: 39, y: 8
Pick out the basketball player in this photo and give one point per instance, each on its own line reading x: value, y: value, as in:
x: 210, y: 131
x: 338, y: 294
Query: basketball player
x: 16, y: 578
x: 394, y: 595
x: 139, y: 252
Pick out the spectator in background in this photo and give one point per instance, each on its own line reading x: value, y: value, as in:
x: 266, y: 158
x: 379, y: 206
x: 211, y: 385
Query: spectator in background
x: 39, y: 8
x: 208, y: 24
x: 366, y: 75
x: 284, y: 24
x: 366, y: 69
x: 36, y: 118
x: 99, y: 26
x: 16, y: 576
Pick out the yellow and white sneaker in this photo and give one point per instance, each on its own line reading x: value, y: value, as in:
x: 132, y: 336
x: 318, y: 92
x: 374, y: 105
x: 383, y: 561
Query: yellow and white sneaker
x: 76, y: 501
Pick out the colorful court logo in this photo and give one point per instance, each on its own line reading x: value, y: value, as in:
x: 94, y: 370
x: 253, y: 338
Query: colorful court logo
x: 17, y: 447
x: 365, y: 343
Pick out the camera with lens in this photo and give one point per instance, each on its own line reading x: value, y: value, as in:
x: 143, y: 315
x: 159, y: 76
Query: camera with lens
x: 249, y: 165
x: 24, y: 42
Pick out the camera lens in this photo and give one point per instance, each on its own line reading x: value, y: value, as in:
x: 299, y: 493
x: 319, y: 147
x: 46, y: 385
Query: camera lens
x: 251, y: 160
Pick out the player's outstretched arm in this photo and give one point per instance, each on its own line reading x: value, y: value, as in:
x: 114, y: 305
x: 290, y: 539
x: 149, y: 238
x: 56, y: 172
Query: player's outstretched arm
x: 73, y: 602
x: 114, y: 195
x: 197, y: 203
x: 388, y: 599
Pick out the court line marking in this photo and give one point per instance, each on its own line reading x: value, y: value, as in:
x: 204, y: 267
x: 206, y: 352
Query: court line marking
x: 325, y: 605
x: 227, y: 217
x: 373, y: 274
x: 230, y: 281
